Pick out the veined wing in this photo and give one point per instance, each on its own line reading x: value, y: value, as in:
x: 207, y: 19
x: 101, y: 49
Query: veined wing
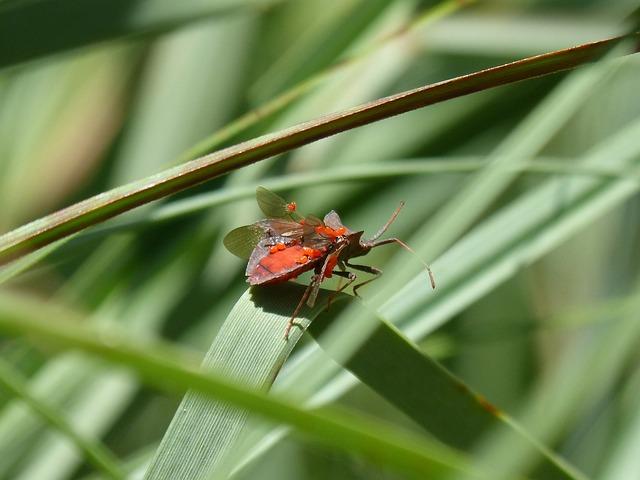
x: 282, y: 227
x: 312, y: 221
x: 332, y: 220
x: 273, y: 205
x: 242, y: 240
x: 311, y: 237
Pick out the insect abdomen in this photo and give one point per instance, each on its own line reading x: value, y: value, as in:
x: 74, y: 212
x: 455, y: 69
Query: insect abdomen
x: 280, y: 266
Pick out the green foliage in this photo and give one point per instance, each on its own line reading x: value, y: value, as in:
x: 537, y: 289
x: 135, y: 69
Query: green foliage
x: 521, y: 193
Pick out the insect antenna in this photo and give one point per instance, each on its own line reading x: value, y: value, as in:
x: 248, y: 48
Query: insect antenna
x: 389, y: 222
x: 432, y: 279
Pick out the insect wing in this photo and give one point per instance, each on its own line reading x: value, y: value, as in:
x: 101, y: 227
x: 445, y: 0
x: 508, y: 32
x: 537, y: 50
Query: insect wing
x: 282, y: 227
x: 332, y: 220
x: 242, y: 240
x: 311, y: 238
x: 312, y: 221
x: 272, y: 204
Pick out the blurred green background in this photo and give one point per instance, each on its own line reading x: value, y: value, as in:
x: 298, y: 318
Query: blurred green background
x: 537, y: 269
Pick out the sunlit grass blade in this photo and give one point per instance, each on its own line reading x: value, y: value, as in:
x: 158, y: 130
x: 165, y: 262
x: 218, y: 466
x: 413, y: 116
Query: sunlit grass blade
x: 249, y: 348
x: 85, y: 390
x: 94, y: 452
x: 622, y: 460
x: 106, y: 205
x: 174, y: 370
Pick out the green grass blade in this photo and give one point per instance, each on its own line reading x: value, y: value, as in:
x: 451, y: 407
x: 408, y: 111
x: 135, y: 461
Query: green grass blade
x: 250, y: 349
x: 85, y: 390
x: 7, y: 272
x: 350, y: 174
x: 431, y: 396
x: 493, y: 252
x: 623, y: 461
x: 361, y: 173
x: 321, y: 44
x: 31, y: 29
x: 106, y: 205
x: 174, y: 370
x: 581, y: 374
x: 101, y: 458
x: 531, y: 218
x: 286, y: 98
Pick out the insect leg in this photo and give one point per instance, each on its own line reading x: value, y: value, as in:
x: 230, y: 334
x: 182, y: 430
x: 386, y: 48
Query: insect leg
x: 314, y: 293
x: 314, y: 281
x: 364, y: 268
x: 350, y: 276
x: 342, y: 268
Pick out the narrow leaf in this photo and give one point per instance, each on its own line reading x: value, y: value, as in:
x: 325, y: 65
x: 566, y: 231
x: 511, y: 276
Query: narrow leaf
x: 108, y: 204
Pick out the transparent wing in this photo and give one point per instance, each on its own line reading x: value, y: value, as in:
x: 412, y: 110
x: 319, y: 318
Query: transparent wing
x: 332, y: 220
x: 272, y: 204
x: 310, y: 237
x: 242, y: 240
x: 282, y: 227
x: 313, y: 221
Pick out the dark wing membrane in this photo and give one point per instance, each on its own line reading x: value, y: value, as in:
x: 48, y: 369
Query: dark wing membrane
x: 282, y: 227
x: 313, y: 221
x: 271, y: 204
x: 242, y: 240
x: 309, y: 236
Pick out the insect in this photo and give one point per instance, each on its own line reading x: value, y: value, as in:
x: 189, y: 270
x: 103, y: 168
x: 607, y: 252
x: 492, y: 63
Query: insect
x: 287, y: 244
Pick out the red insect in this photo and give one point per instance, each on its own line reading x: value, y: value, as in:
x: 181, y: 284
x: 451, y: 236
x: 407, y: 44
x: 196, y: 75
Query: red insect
x: 286, y: 244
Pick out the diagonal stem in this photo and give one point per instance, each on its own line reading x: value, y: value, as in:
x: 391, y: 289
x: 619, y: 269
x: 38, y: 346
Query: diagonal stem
x: 106, y: 205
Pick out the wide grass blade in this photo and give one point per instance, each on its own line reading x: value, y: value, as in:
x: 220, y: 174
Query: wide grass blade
x: 250, y: 349
x: 106, y: 205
